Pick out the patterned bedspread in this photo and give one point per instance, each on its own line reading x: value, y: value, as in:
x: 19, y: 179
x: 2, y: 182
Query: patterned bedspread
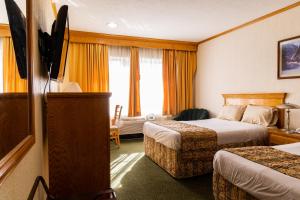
x: 192, y: 137
x: 286, y: 163
x: 196, y: 153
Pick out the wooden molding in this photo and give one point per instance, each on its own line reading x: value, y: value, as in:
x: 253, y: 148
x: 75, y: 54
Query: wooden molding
x: 54, y: 8
x: 121, y: 40
x: 280, y: 96
x: 15, y: 156
x: 252, y: 21
x: 4, y: 30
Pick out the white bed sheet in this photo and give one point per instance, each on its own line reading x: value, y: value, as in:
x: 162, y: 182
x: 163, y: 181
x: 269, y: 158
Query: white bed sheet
x: 227, y: 132
x: 131, y: 126
x: 260, y: 181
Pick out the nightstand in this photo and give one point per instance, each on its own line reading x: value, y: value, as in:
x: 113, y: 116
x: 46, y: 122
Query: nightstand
x: 277, y: 137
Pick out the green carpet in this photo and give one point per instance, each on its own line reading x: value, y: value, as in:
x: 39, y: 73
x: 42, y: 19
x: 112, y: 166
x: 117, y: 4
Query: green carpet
x: 135, y: 177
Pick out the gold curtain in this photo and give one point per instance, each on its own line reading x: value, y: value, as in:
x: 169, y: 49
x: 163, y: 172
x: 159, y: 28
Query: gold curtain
x: 169, y: 82
x: 88, y: 66
x: 179, y: 68
x: 12, y: 81
x: 186, y: 63
x: 134, y: 108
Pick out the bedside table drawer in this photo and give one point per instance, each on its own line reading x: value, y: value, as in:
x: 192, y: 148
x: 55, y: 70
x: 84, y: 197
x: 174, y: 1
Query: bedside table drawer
x: 277, y: 139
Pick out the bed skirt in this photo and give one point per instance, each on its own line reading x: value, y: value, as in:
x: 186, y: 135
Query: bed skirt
x: 224, y: 190
x: 171, y: 160
x: 187, y: 164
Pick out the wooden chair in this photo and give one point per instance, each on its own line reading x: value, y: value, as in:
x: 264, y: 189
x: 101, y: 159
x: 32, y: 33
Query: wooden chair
x: 114, y: 129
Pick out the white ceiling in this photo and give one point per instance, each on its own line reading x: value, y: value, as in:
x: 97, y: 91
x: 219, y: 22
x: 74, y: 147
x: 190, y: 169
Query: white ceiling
x: 187, y: 20
x: 3, y: 13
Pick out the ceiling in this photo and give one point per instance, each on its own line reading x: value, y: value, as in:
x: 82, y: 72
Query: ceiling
x: 186, y: 20
x: 3, y: 14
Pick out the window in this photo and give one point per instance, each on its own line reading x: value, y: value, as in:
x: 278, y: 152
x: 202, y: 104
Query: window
x: 151, y: 81
x: 119, y: 71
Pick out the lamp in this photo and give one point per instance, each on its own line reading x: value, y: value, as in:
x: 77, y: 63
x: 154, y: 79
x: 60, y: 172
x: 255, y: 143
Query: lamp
x: 288, y: 107
x: 71, y: 87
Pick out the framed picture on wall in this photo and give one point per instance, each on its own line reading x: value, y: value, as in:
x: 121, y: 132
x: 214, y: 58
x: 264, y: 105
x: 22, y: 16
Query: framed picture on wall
x: 289, y: 58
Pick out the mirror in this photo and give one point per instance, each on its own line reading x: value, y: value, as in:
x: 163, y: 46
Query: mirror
x: 15, y: 82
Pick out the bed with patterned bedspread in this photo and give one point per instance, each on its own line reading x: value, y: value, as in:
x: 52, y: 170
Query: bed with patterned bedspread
x: 186, y: 149
x: 269, y: 173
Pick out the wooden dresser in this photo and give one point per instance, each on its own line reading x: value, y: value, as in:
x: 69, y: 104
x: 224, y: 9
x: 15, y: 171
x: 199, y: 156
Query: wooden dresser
x: 77, y: 125
x: 277, y: 137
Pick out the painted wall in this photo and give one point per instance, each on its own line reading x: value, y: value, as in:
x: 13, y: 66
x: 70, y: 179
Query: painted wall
x: 18, y: 183
x: 245, y: 61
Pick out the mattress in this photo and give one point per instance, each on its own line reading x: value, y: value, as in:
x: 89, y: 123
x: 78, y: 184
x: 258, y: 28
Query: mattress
x: 227, y: 132
x: 131, y: 126
x: 260, y: 181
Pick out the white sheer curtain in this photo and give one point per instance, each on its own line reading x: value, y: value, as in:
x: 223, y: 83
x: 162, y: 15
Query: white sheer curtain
x: 151, y: 83
x: 119, y: 69
x: 1, y: 65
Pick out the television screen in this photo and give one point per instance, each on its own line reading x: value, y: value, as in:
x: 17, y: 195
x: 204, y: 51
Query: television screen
x: 17, y: 24
x: 57, y: 38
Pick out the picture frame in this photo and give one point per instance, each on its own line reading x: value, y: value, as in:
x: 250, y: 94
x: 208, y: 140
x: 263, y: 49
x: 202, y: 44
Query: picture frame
x: 289, y: 58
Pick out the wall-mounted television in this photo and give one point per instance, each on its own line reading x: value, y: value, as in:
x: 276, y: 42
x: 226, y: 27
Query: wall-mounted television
x: 51, y: 46
x: 17, y: 24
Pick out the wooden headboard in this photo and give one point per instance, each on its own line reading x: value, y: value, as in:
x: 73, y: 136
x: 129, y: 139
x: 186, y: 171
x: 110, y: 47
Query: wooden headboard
x: 260, y: 99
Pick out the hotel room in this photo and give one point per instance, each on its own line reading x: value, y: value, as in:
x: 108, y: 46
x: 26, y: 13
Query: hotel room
x: 138, y: 100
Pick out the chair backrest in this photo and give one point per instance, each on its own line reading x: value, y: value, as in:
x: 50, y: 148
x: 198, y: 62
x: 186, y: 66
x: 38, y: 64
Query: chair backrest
x: 192, y: 114
x: 118, y: 111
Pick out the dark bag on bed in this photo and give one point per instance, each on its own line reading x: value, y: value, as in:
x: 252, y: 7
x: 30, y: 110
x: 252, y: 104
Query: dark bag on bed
x: 192, y: 114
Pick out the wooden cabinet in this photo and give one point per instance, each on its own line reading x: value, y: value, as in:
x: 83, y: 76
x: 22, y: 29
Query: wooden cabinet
x: 77, y: 125
x: 277, y: 137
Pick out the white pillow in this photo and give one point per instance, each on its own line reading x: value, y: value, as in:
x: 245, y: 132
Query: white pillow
x: 262, y: 115
x: 275, y: 117
x: 232, y: 112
